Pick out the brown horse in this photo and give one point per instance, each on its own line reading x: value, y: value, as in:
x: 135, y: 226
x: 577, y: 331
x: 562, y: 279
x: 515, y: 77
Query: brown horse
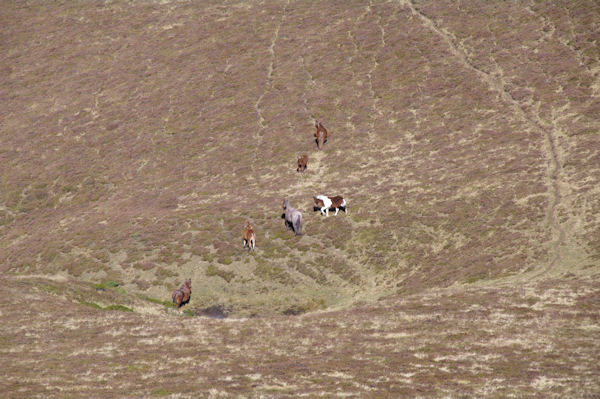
x: 249, y: 236
x: 302, y: 162
x: 321, y: 134
x: 182, y: 295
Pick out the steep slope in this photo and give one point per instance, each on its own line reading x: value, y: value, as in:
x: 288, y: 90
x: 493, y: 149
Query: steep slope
x: 137, y: 137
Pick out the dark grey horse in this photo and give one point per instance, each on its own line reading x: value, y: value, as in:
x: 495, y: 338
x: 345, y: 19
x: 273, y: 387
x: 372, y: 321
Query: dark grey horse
x: 293, y: 218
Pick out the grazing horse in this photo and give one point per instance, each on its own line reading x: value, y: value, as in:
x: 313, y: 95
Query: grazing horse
x: 324, y: 203
x: 182, y: 295
x: 321, y: 134
x: 249, y: 236
x: 302, y: 162
x: 293, y: 218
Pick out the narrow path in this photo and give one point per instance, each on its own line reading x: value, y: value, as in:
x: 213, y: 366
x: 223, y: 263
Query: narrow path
x: 497, y: 83
x: 268, y: 84
x: 376, y: 111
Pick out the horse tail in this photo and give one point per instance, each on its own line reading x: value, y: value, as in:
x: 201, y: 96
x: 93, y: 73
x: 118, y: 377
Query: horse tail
x: 298, y: 227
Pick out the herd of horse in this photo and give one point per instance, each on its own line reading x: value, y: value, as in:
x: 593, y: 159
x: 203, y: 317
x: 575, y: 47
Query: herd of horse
x: 292, y: 216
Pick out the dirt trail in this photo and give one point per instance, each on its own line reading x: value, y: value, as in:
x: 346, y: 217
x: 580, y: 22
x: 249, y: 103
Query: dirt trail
x: 376, y: 111
x: 268, y: 82
x: 496, y: 82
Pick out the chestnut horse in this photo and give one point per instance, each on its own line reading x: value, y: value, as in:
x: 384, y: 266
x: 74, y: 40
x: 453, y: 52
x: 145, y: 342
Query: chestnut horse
x: 249, y: 236
x: 321, y: 134
x: 324, y: 203
x: 182, y: 295
x: 302, y: 162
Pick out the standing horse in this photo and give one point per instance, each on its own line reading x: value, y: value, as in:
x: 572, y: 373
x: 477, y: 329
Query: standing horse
x: 182, y: 295
x: 324, y: 203
x: 338, y: 202
x: 321, y: 134
x: 293, y: 218
x: 302, y: 162
x: 249, y: 236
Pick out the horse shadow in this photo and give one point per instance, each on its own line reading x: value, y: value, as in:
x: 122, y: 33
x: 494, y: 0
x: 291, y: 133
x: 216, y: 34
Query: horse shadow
x: 318, y: 209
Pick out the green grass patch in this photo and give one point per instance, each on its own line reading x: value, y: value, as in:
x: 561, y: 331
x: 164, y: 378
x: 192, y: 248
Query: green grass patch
x: 104, y: 286
x: 168, y: 304
x: 160, y: 392
x: 269, y: 272
x: 94, y: 305
x: 475, y: 278
x: 161, y: 273
x: 91, y: 304
x: 120, y: 308
x: 212, y: 270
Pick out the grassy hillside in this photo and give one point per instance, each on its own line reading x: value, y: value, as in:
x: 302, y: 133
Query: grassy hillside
x: 136, y: 138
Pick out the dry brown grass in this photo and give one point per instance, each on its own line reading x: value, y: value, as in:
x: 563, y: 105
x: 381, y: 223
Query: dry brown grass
x: 137, y: 137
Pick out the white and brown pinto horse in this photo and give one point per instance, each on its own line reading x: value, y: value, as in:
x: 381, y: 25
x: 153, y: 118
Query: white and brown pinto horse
x: 321, y: 134
x: 249, y: 236
x: 324, y: 203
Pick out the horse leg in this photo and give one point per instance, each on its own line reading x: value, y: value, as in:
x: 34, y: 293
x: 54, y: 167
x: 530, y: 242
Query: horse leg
x: 336, y: 211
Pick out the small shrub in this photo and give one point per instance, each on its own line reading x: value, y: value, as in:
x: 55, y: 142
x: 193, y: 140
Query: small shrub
x: 145, y: 266
x: 161, y: 273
